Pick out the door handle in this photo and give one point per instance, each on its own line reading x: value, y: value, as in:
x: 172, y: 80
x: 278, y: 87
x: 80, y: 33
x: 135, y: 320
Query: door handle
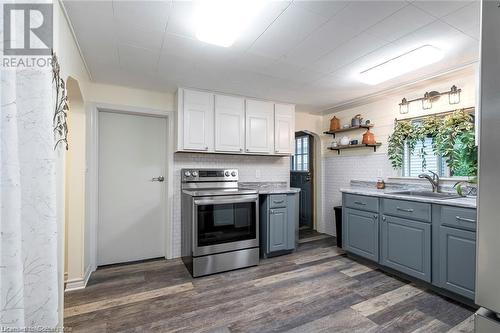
x: 360, y: 203
x: 158, y: 179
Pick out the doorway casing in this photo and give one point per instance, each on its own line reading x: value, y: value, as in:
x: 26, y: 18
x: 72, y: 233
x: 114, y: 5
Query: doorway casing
x: 92, y: 192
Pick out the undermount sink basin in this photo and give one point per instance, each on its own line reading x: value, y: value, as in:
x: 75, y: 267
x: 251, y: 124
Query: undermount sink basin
x: 428, y: 194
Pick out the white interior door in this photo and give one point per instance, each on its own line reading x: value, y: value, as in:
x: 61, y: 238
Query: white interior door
x: 132, y: 151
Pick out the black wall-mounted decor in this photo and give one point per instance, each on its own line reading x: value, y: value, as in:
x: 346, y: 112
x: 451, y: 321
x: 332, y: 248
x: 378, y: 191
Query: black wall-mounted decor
x: 61, y: 105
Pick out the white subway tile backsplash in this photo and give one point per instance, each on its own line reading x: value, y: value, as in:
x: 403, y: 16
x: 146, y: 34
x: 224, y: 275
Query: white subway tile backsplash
x: 338, y: 171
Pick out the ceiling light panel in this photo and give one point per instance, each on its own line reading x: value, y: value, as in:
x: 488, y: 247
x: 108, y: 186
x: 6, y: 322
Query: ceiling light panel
x: 220, y: 22
x: 405, y: 63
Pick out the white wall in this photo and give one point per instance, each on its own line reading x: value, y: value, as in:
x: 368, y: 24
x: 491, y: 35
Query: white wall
x: 364, y: 164
x: 76, y: 260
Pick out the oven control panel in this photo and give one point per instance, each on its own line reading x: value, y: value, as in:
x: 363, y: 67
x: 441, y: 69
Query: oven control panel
x: 209, y: 175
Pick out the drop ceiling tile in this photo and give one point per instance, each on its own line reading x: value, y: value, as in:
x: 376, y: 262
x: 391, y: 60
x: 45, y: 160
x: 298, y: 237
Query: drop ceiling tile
x: 287, y: 31
x: 137, y: 36
x: 181, y: 20
x: 326, y: 38
x: 271, y: 11
x: 182, y: 46
x: 253, y: 62
x: 357, y: 47
x: 440, y: 35
x: 154, y: 14
x: 322, y: 7
x: 284, y: 70
x: 440, y: 8
x: 101, y: 24
x: 363, y: 14
x: 138, y: 58
x: 407, y: 19
x: 466, y: 19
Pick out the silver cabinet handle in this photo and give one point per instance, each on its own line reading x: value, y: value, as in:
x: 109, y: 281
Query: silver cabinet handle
x: 464, y: 219
x: 158, y: 179
x: 384, y: 218
x: 407, y: 210
x: 360, y: 203
x: 278, y: 202
x: 375, y: 217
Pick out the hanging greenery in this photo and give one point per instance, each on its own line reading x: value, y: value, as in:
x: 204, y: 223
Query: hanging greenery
x: 455, y: 141
x: 453, y: 138
x: 404, y: 134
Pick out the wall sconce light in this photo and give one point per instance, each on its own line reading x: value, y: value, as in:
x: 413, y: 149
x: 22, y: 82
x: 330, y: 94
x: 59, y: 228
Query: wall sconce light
x: 404, y: 106
x: 431, y: 97
x: 426, y: 102
x: 454, y: 95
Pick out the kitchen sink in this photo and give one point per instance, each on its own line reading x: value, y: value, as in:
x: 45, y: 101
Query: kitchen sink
x: 428, y: 194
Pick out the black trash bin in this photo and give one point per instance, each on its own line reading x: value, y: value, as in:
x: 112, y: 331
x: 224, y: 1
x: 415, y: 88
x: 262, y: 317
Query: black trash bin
x: 338, y: 224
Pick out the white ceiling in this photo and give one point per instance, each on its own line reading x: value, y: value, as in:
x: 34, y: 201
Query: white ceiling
x: 304, y: 52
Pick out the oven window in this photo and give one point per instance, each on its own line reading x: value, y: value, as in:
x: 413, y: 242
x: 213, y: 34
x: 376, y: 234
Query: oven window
x: 224, y: 223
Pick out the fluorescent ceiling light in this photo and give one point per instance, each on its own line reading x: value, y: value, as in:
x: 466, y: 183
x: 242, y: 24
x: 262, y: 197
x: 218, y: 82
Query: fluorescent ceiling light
x: 408, y: 62
x: 220, y: 22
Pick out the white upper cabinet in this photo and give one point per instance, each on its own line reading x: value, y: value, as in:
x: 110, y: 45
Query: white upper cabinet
x: 229, y: 124
x: 216, y: 123
x: 259, y: 127
x: 198, y: 120
x: 284, y: 128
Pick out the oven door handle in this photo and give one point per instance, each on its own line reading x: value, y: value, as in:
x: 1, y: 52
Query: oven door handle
x: 226, y: 200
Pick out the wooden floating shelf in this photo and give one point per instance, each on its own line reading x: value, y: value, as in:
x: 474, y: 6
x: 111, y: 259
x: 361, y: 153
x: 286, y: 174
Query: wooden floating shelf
x: 340, y: 130
x: 339, y: 148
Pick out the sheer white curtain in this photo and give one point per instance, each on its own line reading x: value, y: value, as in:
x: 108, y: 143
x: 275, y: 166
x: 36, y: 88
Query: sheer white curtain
x: 28, y: 221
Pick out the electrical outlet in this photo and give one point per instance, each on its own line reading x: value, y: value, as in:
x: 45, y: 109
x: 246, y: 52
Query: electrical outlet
x: 257, y: 173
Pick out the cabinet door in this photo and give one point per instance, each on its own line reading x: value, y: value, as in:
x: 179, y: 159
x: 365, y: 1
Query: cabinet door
x: 406, y: 246
x: 361, y: 233
x: 278, y: 230
x: 457, y: 262
x: 229, y: 123
x: 259, y: 127
x: 198, y: 115
x: 284, y: 128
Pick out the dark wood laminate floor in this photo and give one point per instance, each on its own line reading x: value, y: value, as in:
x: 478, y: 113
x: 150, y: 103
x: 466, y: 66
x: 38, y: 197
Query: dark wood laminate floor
x: 315, y: 289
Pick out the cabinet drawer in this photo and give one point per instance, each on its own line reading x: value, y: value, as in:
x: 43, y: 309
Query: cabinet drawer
x: 277, y: 201
x: 361, y: 202
x: 408, y: 209
x: 458, y: 217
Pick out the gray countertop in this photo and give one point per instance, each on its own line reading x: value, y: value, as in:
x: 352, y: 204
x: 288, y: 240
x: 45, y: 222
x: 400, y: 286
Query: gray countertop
x: 468, y: 202
x: 270, y: 187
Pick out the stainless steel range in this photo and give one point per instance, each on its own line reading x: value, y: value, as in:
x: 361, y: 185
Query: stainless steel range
x: 220, y: 222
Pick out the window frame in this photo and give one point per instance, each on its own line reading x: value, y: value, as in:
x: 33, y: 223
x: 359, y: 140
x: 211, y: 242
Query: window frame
x: 303, y: 153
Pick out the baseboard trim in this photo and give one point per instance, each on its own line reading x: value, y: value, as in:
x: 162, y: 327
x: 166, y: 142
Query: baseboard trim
x: 76, y: 284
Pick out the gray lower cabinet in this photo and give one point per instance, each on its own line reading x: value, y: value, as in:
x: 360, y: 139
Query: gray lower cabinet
x: 279, y: 223
x: 361, y: 233
x: 457, y: 260
x: 406, y: 246
x: 278, y: 229
x: 432, y: 242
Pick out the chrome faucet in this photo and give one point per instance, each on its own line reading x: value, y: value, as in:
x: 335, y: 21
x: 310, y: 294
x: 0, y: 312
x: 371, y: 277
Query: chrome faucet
x: 434, y: 180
